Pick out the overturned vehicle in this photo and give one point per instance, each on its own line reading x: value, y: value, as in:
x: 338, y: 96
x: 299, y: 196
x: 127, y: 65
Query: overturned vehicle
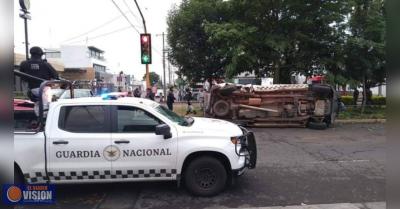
x: 281, y: 105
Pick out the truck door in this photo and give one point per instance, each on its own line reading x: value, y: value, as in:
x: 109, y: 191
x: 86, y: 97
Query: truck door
x: 143, y: 154
x: 77, y: 143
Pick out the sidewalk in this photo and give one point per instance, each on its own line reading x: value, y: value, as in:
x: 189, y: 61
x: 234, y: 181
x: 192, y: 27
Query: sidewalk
x: 370, y: 205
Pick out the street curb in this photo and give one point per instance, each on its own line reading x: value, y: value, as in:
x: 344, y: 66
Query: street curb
x: 370, y: 205
x: 360, y: 121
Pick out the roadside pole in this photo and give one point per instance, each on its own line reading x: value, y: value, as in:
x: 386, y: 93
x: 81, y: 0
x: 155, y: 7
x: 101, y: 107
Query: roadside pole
x: 148, y: 84
x: 165, y: 80
x: 25, y: 5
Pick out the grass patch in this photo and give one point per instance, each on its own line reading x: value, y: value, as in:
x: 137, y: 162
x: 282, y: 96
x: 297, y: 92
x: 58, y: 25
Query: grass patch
x: 371, y: 112
x: 180, y: 109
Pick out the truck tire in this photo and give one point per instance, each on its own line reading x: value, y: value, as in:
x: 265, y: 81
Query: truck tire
x: 221, y: 108
x: 317, y: 125
x: 205, y: 176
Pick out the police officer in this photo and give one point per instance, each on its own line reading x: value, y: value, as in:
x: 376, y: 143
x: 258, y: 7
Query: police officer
x: 37, y: 67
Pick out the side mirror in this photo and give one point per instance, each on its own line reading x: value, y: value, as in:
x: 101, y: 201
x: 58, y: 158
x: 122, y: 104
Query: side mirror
x: 165, y: 130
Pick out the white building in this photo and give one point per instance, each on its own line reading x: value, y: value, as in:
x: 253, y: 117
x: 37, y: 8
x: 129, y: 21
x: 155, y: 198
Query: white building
x: 80, y: 62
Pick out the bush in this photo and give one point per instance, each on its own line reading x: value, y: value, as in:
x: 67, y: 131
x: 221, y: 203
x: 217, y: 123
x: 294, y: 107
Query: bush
x: 347, y: 100
x: 378, y: 100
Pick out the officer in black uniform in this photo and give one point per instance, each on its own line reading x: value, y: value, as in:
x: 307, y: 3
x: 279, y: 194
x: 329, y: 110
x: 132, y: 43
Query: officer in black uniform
x: 37, y: 67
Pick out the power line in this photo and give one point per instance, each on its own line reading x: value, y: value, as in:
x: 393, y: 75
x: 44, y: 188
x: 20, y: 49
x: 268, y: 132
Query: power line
x: 133, y: 14
x: 94, y: 29
x: 125, y: 16
x: 104, y: 34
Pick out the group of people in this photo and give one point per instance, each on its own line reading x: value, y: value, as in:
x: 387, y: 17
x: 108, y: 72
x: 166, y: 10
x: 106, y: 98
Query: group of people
x: 170, y: 98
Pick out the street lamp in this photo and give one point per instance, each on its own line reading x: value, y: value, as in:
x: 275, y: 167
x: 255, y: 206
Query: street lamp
x: 25, y: 6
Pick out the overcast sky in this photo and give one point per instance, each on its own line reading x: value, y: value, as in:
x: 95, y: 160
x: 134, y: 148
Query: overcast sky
x: 54, y: 22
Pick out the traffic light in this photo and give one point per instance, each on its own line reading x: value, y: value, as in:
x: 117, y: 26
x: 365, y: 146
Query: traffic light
x: 145, y: 44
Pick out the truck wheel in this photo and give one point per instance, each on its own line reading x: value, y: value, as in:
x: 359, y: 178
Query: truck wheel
x: 205, y: 176
x: 221, y: 108
x: 317, y: 126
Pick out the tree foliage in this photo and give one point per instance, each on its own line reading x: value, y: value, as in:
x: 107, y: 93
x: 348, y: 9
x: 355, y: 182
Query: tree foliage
x: 365, y: 47
x: 216, y: 38
x: 154, y: 78
x: 191, y: 51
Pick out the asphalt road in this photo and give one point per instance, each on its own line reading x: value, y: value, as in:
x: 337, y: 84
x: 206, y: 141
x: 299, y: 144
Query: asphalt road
x: 341, y: 164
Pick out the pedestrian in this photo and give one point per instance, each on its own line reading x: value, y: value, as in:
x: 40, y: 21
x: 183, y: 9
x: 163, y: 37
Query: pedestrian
x: 188, y: 98
x: 161, y: 97
x: 200, y: 98
x: 171, y: 99
x: 355, y: 96
x: 37, y: 67
x: 369, y: 96
x: 149, y: 94
x: 137, y: 93
x: 180, y: 95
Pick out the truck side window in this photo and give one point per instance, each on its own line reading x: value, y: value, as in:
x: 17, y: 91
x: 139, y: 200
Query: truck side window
x: 135, y: 120
x: 83, y: 119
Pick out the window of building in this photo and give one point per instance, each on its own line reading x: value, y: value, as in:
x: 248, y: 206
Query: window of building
x: 135, y: 120
x: 83, y: 119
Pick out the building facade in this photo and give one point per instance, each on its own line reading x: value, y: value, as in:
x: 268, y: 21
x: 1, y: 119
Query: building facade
x: 85, y: 63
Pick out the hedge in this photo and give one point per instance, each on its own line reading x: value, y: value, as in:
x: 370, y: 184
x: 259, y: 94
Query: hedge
x: 347, y: 100
x: 376, y: 100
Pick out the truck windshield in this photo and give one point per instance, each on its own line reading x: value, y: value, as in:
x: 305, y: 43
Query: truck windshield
x: 172, y: 116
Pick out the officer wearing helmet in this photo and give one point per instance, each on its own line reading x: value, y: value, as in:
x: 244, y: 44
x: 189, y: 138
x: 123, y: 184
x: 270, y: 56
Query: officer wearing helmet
x: 37, y: 67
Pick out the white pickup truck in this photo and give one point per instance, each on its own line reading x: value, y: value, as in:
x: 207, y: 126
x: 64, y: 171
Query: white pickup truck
x: 94, y: 140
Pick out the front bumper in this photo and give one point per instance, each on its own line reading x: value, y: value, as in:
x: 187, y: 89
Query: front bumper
x: 248, y: 149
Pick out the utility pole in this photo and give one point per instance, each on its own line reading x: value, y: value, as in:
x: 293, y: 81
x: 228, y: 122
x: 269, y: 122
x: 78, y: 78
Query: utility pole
x: 25, y: 5
x: 148, y: 84
x: 165, y: 82
x: 163, y: 60
x: 169, y: 68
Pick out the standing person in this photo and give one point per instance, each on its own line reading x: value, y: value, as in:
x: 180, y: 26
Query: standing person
x: 180, y: 95
x: 137, y: 93
x: 161, y: 97
x: 37, y: 67
x: 171, y: 99
x: 188, y: 98
x: 355, y: 96
x: 149, y: 94
x: 200, y: 98
x: 369, y: 96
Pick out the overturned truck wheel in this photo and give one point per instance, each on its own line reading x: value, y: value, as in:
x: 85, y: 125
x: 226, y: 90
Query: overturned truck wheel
x: 317, y: 125
x: 221, y: 108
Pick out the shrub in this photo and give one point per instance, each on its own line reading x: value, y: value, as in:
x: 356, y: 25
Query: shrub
x: 347, y: 100
x: 378, y: 100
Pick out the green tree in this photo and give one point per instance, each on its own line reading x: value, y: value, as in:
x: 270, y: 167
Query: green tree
x: 191, y: 52
x: 279, y: 38
x: 154, y: 78
x: 365, y: 47
x: 225, y: 38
